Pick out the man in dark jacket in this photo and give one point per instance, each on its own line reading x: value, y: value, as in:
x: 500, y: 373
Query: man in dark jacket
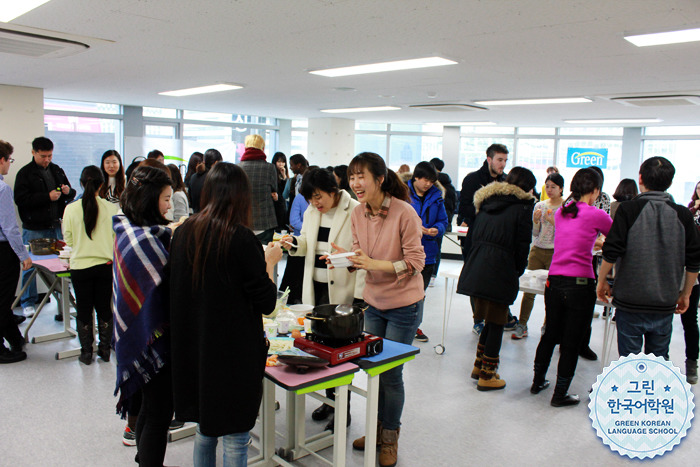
x: 491, y: 171
x: 656, y: 247
x: 42, y: 192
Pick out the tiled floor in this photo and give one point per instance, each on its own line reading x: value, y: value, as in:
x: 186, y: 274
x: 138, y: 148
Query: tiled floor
x: 61, y: 413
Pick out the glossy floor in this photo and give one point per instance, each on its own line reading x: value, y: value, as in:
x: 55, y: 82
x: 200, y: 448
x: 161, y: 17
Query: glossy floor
x: 61, y: 413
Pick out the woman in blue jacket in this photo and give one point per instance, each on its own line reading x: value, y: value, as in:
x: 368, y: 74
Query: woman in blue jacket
x: 427, y: 200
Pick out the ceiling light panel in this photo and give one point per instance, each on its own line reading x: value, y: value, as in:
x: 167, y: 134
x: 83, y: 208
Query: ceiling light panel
x: 384, y: 66
x: 560, y: 100
x: 11, y: 9
x: 360, y: 109
x: 200, y: 90
x: 662, y: 38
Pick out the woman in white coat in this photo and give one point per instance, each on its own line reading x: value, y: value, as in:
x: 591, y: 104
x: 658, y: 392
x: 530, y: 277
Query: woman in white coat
x: 326, y: 225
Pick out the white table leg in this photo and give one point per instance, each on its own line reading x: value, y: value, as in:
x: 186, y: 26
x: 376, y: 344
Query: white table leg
x: 371, y: 420
x: 340, y: 428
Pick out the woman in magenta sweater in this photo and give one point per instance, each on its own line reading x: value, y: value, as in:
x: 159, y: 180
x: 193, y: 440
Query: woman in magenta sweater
x: 570, y: 295
x: 387, y: 236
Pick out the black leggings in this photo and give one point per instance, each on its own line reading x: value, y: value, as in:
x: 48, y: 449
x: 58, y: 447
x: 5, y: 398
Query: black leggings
x: 569, y: 311
x: 154, y: 419
x: 690, y: 325
x: 93, y: 290
x: 491, y: 338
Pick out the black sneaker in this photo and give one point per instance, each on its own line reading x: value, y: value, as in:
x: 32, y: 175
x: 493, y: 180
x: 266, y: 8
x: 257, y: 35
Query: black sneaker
x: 421, y: 337
x: 510, y: 326
x: 588, y: 354
x: 10, y: 356
x: 176, y: 425
x: 19, y: 319
x: 322, y: 412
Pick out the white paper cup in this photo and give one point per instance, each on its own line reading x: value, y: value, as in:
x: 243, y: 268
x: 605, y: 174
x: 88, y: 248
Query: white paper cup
x: 271, y: 330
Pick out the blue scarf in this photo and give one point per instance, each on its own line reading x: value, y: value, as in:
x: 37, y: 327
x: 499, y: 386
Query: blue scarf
x: 141, y: 317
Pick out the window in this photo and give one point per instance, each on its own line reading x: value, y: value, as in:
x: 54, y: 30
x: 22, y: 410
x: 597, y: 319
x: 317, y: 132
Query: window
x: 81, y: 141
x: 536, y: 155
x: 227, y: 140
x: 672, y: 130
x: 371, y: 143
x: 158, y: 112
x: 472, y: 154
x: 408, y: 149
x: 370, y: 126
x: 77, y: 106
x: 163, y: 138
x: 594, y: 131
x: 683, y: 156
x: 612, y: 170
x: 300, y: 142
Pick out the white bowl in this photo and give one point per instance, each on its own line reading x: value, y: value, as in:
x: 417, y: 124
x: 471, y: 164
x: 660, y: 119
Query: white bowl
x: 301, y: 310
x: 341, y: 260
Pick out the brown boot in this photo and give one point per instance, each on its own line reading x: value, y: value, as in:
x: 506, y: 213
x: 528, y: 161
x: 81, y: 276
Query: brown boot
x: 390, y: 446
x: 477, y: 362
x: 359, y: 443
x: 489, y: 380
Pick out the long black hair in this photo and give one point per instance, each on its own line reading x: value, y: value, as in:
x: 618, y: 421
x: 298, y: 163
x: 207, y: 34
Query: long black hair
x: 585, y: 181
x: 91, y: 179
x: 119, y: 178
x: 392, y: 184
x: 226, y: 205
x: 279, y: 156
x: 211, y: 157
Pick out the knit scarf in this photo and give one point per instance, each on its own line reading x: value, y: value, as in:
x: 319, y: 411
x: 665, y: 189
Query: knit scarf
x: 140, y: 305
x: 253, y: 154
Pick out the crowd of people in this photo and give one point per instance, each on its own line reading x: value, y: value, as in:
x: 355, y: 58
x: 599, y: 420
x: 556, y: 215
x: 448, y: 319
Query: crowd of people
x: 158, y: 260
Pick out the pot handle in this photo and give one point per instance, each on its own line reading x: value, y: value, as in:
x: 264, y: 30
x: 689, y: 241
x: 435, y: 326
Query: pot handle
x: 317, y: 318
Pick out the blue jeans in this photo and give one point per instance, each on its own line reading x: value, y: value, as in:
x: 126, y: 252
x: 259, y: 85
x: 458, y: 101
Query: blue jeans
x: 235, y: 449
x: 30, y: 296
x: 399, y: 325
x: 654, y: 328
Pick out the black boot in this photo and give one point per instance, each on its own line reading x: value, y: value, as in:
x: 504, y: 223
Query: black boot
x: 561, y: 397
x: 86, y: 339
x: 105, y: 330
x: 322, y: 412
x: 538, y: 381
x: 330, y: 426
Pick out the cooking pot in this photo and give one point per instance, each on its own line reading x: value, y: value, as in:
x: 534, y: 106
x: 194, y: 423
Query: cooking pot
x: 328, y: 323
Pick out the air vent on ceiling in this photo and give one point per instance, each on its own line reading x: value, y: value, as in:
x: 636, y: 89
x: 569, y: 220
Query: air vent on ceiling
x: 37, y: 45
x: 659, y: 101
x: 447, y: 107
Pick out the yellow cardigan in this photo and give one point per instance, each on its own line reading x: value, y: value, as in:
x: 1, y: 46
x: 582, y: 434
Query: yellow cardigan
x: 89, y: 252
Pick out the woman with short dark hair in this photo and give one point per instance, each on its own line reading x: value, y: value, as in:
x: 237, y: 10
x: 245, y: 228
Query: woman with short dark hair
x: 142, y: 326
x: 221, y: 285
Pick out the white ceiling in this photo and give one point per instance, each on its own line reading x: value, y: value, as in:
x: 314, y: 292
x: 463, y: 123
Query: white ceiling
x: 505, y: 49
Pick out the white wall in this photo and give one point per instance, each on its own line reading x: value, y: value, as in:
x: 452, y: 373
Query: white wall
x: 21, y: 120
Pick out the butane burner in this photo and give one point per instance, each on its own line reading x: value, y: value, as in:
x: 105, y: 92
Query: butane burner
x: 337, y: 352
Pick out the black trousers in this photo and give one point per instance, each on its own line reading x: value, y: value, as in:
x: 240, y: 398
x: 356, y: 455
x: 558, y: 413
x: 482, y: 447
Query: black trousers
x: 9, y: 277
x: 154, y: 419
x: 690, y: 325
x: 93, y: 290
x: 427, y: 273
x: 294, y: 278
x: 569, y: 304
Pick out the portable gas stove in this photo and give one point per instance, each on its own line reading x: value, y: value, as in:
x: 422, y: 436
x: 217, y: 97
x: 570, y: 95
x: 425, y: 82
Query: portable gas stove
x: 339, y: 351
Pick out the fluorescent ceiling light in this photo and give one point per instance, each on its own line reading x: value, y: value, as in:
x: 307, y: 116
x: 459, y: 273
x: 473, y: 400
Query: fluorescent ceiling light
x: 11, y: 9
x: 360, y: 109
x: 200, y: 90
x: 616, y: 120
x: 384, y: 66
x: 462, y: 123
x: 559, y: 100
x: 661, y: 38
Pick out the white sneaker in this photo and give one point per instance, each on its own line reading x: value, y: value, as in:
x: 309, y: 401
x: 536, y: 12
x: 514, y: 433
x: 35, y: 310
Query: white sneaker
x: 432, y: 282
x: 29, y: 311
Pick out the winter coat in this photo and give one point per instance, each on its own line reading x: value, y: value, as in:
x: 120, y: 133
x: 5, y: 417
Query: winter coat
x: 344, y: 285
x: 431, y: 210
x: 500, y: 236
x: 450, y: 197
x: 218, y: 345
x: 32, y: 196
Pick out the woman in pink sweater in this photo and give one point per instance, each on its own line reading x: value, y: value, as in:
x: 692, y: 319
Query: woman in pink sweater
x: 387, y: 235
x: 570, y: 293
